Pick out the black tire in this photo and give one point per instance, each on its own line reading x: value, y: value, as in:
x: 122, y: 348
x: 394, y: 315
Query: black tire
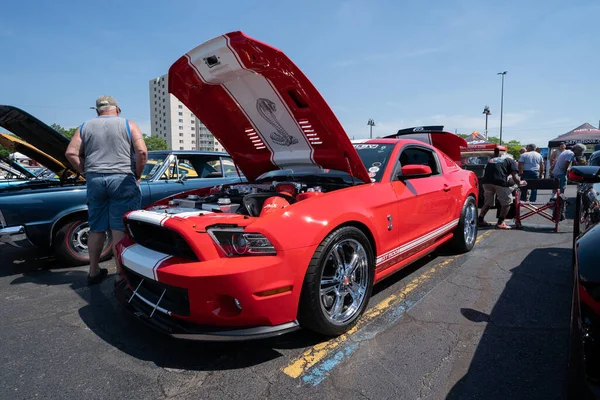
x: 459, y: 243
x: 312, y: 312
x: 70, y: 253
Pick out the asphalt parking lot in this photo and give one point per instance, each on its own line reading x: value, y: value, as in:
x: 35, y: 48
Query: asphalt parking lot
x: 491, y: 324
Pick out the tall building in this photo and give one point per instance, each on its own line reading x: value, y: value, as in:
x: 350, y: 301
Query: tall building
x: 171, y: 120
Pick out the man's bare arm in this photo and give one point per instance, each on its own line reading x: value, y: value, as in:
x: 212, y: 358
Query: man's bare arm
x: 141, y: 152
x: 73, y: 152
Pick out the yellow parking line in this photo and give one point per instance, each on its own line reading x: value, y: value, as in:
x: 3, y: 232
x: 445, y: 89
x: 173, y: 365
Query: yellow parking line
x: 319, y: 351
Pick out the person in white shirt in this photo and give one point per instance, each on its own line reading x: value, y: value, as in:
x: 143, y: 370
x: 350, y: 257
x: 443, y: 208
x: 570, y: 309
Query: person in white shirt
x: 563, y: 162
x: 554, y: 156
x: 531, y: 166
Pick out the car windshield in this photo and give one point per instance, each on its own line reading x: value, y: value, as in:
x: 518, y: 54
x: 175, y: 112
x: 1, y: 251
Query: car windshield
x: 153, y: 165
x: 375, y: 158
x: 307, y: 173
x: 476, y: 157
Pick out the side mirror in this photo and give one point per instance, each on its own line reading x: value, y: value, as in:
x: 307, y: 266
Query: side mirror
x: 584, y: 174
x: 414, y: 171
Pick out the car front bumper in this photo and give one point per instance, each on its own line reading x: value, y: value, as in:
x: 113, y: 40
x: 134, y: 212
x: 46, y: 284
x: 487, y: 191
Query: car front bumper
x: 144, y: 311
x: 234, y: 298
x: 14, y: 235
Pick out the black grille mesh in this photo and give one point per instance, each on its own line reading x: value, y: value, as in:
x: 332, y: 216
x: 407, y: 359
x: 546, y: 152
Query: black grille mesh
x: 161, y: 239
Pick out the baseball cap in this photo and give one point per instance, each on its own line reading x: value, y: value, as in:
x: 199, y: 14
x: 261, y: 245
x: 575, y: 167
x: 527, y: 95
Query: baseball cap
x: 105, y: 101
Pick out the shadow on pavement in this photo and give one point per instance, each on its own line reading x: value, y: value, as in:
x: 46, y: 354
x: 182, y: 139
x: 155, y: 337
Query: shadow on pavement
x: 526, y: 336
x: 104, y: 316
x: 20, y: 261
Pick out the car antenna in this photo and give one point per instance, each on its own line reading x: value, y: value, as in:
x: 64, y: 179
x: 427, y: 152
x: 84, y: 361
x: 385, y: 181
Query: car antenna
x: 349, y: 168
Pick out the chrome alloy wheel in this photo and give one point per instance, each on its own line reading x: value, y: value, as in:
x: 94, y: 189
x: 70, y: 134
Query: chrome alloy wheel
x: 470, y: 222
x: 79, y: 238
x: 344, y: 281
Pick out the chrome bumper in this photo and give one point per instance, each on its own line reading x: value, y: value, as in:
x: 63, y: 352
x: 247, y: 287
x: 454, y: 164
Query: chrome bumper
x: 13, y: 234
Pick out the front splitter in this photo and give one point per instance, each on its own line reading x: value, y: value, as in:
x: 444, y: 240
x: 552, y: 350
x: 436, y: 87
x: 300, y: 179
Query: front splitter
x: 184, y: 330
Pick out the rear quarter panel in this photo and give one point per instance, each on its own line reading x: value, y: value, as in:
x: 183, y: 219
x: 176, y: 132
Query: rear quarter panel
x: 464, y: 181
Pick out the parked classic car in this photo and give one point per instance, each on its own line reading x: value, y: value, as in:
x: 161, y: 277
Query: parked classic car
x: 50, y: 213
x: 13, y: 174
x: 585, y: 316
x: 319, y: 222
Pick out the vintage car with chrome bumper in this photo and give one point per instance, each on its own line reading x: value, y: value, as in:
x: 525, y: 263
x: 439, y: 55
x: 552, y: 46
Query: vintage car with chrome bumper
x: 52, y: 213
x: 12, y: 235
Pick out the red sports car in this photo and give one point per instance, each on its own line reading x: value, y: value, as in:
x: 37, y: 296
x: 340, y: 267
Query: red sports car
x: 318, y: 222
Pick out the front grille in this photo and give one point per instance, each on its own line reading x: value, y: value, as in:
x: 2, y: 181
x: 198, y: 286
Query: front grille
x: 175, y: 299
x: 161, y: 239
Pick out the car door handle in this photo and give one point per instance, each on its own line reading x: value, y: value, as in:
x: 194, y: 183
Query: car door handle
x: 446, y: 188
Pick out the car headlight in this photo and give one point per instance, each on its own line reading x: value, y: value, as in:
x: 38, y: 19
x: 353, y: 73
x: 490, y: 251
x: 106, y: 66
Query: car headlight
x: 235, y: 242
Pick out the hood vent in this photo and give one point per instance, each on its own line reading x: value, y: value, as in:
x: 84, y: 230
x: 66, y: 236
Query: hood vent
x: 313, y: 137
x: 255, y: 139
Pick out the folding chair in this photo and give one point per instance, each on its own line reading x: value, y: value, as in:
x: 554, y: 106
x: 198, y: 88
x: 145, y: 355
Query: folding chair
x: 539, y: 208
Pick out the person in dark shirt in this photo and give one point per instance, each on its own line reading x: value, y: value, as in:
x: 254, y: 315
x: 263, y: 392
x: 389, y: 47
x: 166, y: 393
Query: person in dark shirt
x: 495, y: 183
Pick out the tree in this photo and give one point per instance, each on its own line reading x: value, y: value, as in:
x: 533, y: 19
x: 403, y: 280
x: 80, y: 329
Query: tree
x: 155, y: 143
x: 4, y: 152
x: 66, y: 132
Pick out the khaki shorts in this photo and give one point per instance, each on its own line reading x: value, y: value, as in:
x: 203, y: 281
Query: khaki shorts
x: 504, y: 194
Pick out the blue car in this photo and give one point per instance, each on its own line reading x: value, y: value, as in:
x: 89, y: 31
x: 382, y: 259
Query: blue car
x: 53, y: 214
x: 13, y: 174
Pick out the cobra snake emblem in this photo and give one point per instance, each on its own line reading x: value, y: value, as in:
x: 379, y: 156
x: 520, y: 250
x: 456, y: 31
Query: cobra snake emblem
x: 266, y: 109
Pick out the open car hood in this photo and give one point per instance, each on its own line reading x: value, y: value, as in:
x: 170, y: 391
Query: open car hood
x: 16, y: 168
x: 17, y: 145
x: 262, y: 108
x: 37, y: 134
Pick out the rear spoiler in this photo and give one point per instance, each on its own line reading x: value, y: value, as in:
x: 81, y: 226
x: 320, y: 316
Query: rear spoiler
x: 447, y: 142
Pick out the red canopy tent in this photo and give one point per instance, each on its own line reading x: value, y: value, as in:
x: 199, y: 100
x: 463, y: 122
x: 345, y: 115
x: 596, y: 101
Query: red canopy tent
x: 476, y: 141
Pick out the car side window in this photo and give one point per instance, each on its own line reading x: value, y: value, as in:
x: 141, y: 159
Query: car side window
x: 419, y: 156
x: 228, y: 167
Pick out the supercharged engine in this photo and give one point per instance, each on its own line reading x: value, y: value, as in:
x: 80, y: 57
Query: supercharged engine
x: 246, y: 199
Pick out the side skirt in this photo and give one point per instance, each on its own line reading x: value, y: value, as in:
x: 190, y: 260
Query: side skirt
x: 407, y: 258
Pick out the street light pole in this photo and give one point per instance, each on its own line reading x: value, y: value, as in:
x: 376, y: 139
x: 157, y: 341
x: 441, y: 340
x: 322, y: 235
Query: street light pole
x: 487, y: 112
x: 501, y: 103
x: 371, y: 124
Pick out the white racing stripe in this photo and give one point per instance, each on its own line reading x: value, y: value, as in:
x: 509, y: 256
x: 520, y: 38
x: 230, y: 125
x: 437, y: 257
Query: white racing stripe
x: 150, y: 217
x: 415, y: 243
x: 256, y: 97
x: 159, y: 218
x: 143, y: 261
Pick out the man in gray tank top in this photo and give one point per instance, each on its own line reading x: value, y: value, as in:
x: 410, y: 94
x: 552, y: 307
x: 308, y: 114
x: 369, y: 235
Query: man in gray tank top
x: 111, y: 153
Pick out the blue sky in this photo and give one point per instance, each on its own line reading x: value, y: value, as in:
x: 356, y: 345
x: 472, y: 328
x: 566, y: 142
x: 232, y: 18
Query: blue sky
x: 402, y: 63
